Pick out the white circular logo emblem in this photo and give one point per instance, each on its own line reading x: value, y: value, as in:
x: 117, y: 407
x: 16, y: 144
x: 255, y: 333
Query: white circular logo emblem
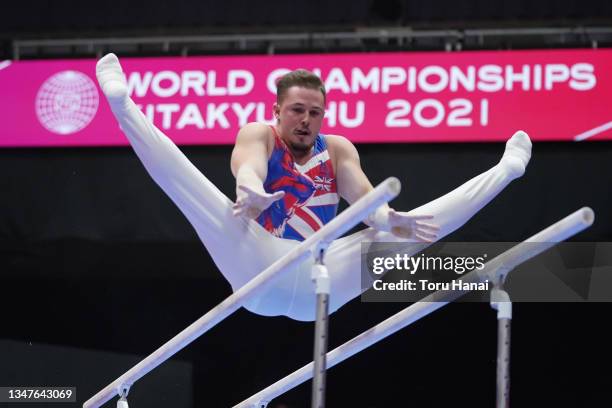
x: 67, y: 102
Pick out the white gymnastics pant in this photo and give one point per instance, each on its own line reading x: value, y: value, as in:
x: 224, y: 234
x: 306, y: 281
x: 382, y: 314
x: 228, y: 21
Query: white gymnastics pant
x: 241, y: 248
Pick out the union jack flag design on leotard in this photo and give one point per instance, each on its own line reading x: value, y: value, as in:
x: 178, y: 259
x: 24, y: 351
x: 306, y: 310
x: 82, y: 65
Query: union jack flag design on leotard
x: 311, y: 197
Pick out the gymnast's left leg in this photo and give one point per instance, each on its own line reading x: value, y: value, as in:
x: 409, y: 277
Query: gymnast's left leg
x: 449, y: 212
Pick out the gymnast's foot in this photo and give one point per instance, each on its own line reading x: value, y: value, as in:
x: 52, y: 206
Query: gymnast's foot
x: 517, y: 154
x: 111, y: 79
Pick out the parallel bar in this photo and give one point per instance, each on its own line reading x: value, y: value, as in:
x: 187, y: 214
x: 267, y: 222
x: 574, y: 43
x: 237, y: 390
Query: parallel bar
x: 384, y: 192
x: 320, y: 351
x: 497, y: 267
x: 543, y: 240
x: 502, y: 397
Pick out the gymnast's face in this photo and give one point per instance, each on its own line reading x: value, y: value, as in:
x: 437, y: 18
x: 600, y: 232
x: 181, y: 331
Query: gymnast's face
x: 299, y: 117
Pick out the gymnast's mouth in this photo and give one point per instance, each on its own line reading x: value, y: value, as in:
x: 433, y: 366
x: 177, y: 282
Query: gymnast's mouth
x: 302, y: 132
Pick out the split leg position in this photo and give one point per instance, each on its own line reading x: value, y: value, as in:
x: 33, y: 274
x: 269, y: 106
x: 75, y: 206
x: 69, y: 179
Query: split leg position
x: 241, y: 248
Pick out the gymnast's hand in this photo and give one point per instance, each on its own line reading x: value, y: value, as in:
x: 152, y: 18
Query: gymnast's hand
x: 405, y: 225
x: 111, y: 78
x: 250, y: 203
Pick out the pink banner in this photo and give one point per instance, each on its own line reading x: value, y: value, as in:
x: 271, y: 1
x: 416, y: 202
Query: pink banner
x: 372, y: 98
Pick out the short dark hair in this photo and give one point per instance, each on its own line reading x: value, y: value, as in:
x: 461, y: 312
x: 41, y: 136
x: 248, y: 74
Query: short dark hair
x: 301, y: 78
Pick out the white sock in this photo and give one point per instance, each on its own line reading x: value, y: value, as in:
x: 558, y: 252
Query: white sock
x: 517, y: 154
x: 112, y: 79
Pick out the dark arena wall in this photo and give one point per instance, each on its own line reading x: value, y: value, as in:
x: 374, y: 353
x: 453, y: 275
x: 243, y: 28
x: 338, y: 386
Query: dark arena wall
x: 97, y: 261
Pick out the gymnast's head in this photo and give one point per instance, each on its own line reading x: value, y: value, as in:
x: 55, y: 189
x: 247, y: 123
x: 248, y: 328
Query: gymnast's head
x: 299, y: 109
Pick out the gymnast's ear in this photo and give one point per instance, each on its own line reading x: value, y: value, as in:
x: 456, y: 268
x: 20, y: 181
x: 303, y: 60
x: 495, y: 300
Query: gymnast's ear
x: 276, y: 110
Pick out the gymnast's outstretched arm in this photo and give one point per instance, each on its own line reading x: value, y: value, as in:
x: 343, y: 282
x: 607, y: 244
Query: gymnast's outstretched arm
x: 354, y: 184
x: 250, y: 167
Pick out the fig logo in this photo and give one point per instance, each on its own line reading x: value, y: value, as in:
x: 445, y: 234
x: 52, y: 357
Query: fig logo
x: 67, y: 102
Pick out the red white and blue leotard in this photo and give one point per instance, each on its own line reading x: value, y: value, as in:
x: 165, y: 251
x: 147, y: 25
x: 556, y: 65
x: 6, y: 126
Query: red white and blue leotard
x: 311, y: 196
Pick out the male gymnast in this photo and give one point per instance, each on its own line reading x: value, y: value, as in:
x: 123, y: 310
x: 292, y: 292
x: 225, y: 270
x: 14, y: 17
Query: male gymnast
x: 289, y: 178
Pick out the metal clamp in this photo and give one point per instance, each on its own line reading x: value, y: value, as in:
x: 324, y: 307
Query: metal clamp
x: 123, y: 391
x: 319, y: 273
x: 500, y: 301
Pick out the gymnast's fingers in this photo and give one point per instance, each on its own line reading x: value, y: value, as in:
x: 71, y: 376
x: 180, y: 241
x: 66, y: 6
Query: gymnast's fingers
x: 426, y: 234
x: 421, y: 217
x: 429, y: 227
x: 422, y: 238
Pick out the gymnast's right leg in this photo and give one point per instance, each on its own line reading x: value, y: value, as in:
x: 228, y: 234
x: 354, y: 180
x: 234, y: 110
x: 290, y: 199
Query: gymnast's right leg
x: 234, y: 243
